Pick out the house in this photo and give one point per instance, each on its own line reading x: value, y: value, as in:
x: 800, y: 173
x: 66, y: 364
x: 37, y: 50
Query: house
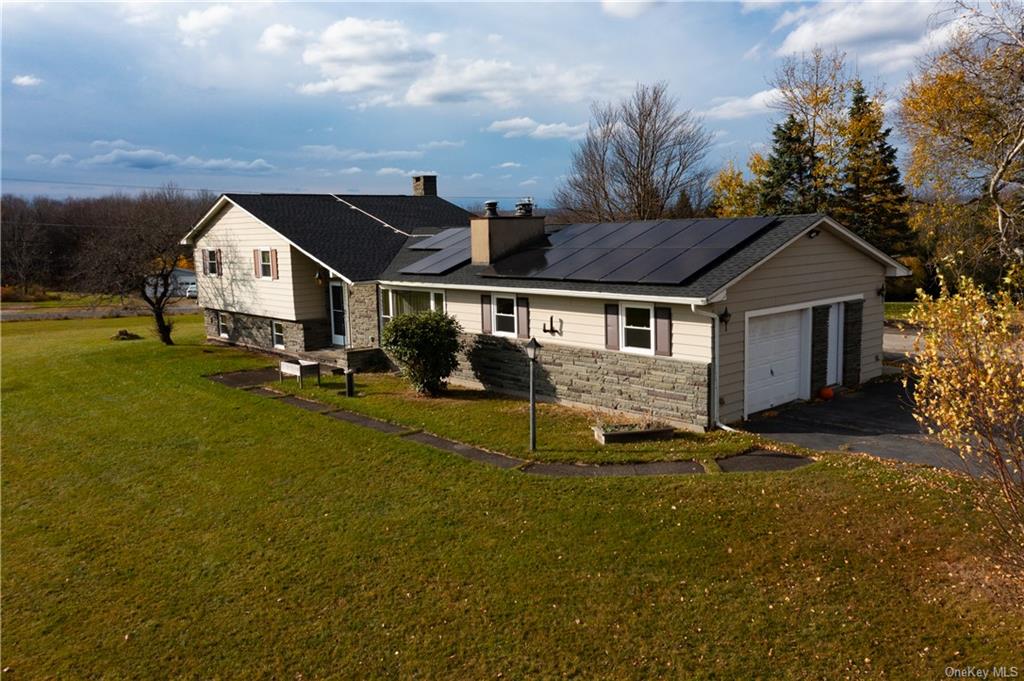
x: 697, y: 322
x: 297, y: 272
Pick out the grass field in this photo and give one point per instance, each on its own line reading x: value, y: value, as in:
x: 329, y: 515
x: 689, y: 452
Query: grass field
x: 158, y: 525
x: 898, y: 311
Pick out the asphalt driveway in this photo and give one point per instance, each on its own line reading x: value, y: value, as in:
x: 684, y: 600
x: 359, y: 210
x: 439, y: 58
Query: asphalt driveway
x: 876, y: 419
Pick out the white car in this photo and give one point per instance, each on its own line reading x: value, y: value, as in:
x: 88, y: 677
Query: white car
x: 192, y: 291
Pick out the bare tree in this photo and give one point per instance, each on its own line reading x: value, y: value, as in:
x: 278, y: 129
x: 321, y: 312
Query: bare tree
x: 642, y: 159
x: 139, y: 250
x: 24, y: 247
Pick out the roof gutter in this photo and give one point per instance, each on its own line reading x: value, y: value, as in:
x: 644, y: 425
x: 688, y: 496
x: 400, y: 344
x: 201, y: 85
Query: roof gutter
x: 597, y: 295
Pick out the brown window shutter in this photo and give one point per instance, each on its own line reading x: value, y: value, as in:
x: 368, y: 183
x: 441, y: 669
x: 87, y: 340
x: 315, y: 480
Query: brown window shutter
x: 206, y: 261
x: 611, y: 326
x: 256, y: 262
x: 485, y: 313
x: 273, y: 263
x: 663, y: 331
x: 523, y: 317
x: 220, y: 265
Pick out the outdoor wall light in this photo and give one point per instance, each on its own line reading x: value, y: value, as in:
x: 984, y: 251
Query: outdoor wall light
x: 814, y: 233
x: 320, y: 278
x: 724, y: 317
x: 881, y: 291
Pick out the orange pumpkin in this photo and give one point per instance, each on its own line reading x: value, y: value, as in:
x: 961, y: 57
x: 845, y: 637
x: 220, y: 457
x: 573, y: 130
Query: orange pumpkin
x: 826, y: 393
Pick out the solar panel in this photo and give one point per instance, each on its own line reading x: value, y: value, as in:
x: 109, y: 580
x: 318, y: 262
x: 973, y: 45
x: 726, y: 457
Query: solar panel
x: 566, y: 233
x: 683, y: 266
x: 642, y: 265
x: 659, y: 234
x: 440, y: 262
x: 528, y: 263
x: 444, y: 238
x: 736, y: 232
x: 580, y: 258
x: 587, y: 237
x: 695, y: 233
x: 605, y: 264
x: 630, y: 232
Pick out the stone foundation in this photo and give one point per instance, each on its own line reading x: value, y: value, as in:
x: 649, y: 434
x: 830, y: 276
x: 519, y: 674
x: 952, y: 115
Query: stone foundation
x: 256, y: 332
x: 363, y: 317
x: 667, y: 389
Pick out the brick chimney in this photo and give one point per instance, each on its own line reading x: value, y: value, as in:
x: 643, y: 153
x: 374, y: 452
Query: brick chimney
x: 424, y: 185
x: 493, y: 236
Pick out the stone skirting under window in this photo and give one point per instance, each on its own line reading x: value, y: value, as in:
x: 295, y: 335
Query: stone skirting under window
x: 667, y: 389
x: 253, y: 331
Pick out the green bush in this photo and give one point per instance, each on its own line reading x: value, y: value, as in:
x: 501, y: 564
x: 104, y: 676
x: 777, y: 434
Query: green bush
x: 426, y: 347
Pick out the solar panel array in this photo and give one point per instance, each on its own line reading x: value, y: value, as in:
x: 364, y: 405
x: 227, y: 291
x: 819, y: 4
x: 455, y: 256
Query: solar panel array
x: 443, y: 239
x: 645, y: 252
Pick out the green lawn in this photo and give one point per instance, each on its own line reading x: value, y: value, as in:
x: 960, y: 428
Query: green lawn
x: 898, y: 311
x: 158, y: 525
x: 502, y: 424
x: 65, y: 299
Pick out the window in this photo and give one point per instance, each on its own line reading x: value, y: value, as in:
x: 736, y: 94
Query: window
x: 211, y: 262
x: 222, y: 324
x: 266, y: 270
x: 394, y: 302
x: 277, y: 330
x: 637, y: 328
x: 504, y: 316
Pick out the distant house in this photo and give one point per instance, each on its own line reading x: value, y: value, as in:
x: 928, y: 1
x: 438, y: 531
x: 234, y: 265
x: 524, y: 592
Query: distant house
x: 693, y: 321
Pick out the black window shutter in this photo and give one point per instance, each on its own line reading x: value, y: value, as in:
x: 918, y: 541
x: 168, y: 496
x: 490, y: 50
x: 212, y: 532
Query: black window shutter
x: 663, y: 331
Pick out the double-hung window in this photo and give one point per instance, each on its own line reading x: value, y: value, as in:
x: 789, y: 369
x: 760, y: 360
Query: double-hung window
x: 212, y: 266
x: 394, y: 302
x: 505, y: 316
x: 266, y: 269
x: 637, y: 328
x: 222, y: 324
x: 277, y: 331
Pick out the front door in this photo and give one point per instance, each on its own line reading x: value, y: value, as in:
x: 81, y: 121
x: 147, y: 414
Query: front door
x: 338, y: 333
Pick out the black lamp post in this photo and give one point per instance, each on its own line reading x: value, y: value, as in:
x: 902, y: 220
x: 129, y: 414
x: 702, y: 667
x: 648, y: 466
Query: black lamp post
x: 531, y: 351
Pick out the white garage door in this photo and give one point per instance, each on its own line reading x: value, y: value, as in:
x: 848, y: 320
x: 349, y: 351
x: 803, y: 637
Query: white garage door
x: 773, y: 359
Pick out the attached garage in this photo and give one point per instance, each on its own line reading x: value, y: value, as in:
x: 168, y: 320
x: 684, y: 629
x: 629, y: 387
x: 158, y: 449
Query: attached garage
x: 776, y: 359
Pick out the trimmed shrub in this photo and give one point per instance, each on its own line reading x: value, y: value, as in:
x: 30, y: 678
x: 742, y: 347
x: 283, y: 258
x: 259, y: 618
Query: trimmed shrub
x: 425, y: 346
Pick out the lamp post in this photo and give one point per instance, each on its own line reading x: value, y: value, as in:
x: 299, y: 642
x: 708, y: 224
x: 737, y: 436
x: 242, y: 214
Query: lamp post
x: 531, y: 351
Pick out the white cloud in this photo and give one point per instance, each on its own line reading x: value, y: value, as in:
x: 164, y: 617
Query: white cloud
x: 741, y: 107
x: 139, y: 13
x: 473, y: 176
x: 888, y: 35
x: 405, y: 173
x: 58, y: 160
x: 443, y: 144
x: 352, y: 170
x: 509, y: 164
x: 113, y: 144
x: 495, y: 38
x: 527, y: 127
x: 331, y: 152
x: 754, y: 53
x: 278, y: 38
x: 530, y: 182
x: 27, y: 80
x: 626, y: 9
x: 149, y: 159
x: 199, y: 25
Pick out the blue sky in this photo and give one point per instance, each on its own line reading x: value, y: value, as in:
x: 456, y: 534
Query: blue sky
x: 357, y: 97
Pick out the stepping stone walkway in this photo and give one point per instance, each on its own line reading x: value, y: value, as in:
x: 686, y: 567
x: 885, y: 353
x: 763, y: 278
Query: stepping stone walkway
x: 760, y: 460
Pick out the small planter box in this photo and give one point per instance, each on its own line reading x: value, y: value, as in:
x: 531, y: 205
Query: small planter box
x: 638, y: 434
x: 300, y: 369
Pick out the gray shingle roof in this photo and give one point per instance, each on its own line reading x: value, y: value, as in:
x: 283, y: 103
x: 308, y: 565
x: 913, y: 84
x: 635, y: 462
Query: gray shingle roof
x: 717, y: 275
x: 347, y: 240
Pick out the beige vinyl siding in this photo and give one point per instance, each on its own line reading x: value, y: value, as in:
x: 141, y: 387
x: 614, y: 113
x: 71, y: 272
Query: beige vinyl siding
x: 290, y: 297
x: 808, y: 270
x: 582, y: 322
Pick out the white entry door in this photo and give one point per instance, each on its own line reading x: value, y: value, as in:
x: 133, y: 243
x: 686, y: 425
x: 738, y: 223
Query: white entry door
x: 338, y: 331
x: 774, y: 359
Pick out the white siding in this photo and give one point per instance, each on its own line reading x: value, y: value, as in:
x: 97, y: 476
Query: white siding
x: 293, y: 296
x: 582, y: 322
x: 808, y: 270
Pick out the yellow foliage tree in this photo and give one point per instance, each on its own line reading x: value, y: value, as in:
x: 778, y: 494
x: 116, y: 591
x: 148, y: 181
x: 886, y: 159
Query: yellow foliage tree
x: 970, y: 393
x: 732, y: 194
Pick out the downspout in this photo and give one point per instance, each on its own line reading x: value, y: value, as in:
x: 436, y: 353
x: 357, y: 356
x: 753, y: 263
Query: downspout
x: 714, y: 366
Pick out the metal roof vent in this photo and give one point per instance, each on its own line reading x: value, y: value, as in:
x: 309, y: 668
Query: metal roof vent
x: 524, y: 208
x: 490, y: 209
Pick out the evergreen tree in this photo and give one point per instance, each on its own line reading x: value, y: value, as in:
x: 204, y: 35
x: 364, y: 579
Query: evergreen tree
x: 789, y: 184
x: 873, y: 200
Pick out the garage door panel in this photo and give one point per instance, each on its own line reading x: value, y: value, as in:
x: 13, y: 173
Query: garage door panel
x: 773, y: 373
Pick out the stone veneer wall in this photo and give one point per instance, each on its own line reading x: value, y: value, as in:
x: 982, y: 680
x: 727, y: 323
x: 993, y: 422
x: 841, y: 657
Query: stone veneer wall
x: 853, y: 321
x: 819, y: 348
x: 363, y: 316
x: 256, y: 331
x: 668, y: 389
